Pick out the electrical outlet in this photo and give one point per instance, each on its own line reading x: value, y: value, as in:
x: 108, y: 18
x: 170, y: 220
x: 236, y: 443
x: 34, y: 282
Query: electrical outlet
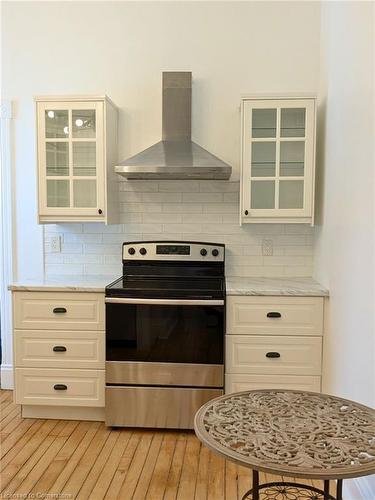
x: 56, y: 244
x: 267, y: 247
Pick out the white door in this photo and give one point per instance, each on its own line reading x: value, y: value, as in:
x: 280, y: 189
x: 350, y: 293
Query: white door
x: 71, y: 158
x: 278, y: 158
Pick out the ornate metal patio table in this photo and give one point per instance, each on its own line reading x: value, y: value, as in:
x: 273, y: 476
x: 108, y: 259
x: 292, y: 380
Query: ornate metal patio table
x: 291, y: 433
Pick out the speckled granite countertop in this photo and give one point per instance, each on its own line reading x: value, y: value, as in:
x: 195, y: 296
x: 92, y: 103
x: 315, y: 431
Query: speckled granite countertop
x: 65, y: 284
x: 304, y: 287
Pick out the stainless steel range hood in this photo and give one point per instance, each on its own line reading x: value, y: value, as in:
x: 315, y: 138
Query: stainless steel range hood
x: 175, y: 156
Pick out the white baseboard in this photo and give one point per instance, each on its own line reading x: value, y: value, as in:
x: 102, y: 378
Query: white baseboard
x: 362, y: 488
x: 6, y: 377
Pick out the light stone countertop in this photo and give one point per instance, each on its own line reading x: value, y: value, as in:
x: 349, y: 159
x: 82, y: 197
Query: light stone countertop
x: 235, y: 286
x: 304, y: 287
x: 77, y: 283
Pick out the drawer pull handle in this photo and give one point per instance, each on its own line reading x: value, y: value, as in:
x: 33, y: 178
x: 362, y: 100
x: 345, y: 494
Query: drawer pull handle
x: 59, y: 348
x: 273, y: 354
x: 273, y: 315
x: 60, y: 387
x: 59, y: 310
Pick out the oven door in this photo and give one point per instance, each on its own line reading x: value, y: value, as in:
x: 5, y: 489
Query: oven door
x: 164, y: 342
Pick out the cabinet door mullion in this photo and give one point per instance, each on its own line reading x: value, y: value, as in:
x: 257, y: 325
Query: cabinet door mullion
x: 70, y: 158
x: 277, y: 159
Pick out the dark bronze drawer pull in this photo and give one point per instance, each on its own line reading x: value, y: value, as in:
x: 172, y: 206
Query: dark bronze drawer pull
x: 60, y: 387
x: 59, y: 348
x: 58, y: 310
x: 273, y: 354
x: 273, y: 315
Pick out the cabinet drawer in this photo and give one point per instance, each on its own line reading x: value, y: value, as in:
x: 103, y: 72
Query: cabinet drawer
x: 236, y: 382
x: 273, y: 355
x: 61, y: 349
x: 274, y: 315
x: 59, y: 310
x: 39, y: 386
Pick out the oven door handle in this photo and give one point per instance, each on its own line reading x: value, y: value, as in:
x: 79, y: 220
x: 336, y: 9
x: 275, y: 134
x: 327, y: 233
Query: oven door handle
x: 165, y: 302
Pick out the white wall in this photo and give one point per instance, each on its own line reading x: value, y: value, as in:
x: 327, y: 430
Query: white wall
x: 345, y: 234
x: 121, y: 48
x: 344, y: 250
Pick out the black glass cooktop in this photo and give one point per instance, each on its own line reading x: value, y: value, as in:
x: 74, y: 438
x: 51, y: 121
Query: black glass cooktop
x: 167, y: 287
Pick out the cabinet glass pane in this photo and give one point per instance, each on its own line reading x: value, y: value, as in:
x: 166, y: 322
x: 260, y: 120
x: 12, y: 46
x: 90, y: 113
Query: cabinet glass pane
x: 292, y: 157
x: 262, y: 194
x: 263, y: 159
x: 57, y: 193
x: 291, y: 194
x: 84, y: 158
x: 83, y: 121
x: 293, y: 122
x: 264, y: 123
x: 57, y: 122
x: 84, y: 193
x: 57, y: 158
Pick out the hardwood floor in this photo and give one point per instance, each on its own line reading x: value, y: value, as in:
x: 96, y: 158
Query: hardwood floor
x: 65, y: 459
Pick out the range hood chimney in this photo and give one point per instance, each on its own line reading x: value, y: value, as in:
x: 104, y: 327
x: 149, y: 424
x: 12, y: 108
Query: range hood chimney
x: 175, y: 156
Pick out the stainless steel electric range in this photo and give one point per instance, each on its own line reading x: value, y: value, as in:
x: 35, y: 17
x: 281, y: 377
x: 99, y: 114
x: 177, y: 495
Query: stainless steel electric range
x: 164, y: 333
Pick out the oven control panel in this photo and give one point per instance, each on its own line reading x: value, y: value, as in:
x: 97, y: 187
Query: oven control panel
x: 171, y: 250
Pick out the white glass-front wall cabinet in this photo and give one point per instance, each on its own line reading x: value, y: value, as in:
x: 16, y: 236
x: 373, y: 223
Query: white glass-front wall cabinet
x: 77, y: 151
x: 278, y: 160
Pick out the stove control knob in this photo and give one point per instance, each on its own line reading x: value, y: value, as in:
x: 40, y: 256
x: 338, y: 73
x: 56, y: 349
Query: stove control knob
x: 203, y: 252
x: 143, y: 251
x: 215, y: 252
x: 131, y: 251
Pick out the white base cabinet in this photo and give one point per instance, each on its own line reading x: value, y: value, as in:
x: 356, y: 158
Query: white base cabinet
x: 59, y: 354
x: 273, y: 342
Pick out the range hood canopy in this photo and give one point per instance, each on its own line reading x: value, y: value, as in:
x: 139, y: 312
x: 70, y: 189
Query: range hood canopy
x: 175, y: 156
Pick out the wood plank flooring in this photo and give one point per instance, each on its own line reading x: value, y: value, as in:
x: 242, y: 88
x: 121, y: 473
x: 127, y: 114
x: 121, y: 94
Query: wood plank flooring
x: 65, y: 459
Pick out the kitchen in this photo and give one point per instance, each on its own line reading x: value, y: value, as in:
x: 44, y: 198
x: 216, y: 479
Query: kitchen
x: 319, y: 260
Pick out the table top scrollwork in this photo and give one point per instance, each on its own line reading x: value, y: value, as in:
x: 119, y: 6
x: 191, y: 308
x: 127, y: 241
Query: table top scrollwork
x: 292, y: 433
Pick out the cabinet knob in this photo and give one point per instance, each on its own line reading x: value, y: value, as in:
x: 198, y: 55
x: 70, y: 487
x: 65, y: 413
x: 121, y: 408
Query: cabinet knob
x: 272, y: 355
x: 60, y: 387
x: 246, y: 212
x: 59, y: 310
x: 273, y: 315
x: 100, y: 211
x: 59, y: 348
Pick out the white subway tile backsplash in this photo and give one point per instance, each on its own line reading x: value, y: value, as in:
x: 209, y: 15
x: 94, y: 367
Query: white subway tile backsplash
x: 194, y: 218
x: 104, y: 269
x: 54, y: 258
x: 181, y: 210
x: 231, y: 197
x: 83, y: 259
x: 218, y: 187
x: 161, y: 217
x: 100, y: 227
x: 161, y: 197
x: 82, y: 238
x: 64, y: 269
x: 131, y: 217
x: 179, y: 186
x: 102, y: 249
x: 202, y: 198
x: 71, y: 247
x: 142, y: 228
x: 131, y: 196
x: 182, y: 228
x: 142, y: 186
x: 184, y: 208
x: 217, y: 208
